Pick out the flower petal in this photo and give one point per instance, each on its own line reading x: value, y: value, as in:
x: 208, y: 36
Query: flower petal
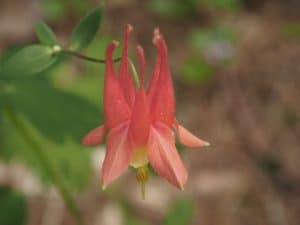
x: 162, y: 102
x: 116, y: 108
x: 118, y: 153
x: 94, y: 137
x: 164, y: 157
x: 142, y: 62
x: 188, y: 139
x: 155, y: 75
x: 140, y: 120
x: 125, y: 77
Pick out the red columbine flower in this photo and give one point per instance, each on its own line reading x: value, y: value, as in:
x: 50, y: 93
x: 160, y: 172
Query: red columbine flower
x: 140, y: 121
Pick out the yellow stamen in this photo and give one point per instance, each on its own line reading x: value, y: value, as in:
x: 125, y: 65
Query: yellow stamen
x: 142, y: 176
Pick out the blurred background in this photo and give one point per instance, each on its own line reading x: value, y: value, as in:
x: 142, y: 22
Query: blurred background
x: 236, y: 71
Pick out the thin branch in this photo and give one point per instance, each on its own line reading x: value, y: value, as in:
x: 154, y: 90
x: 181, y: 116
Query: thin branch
x: 84, y: 57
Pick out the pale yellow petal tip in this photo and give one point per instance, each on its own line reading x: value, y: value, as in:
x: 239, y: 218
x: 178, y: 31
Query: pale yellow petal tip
x: 156, y: 31
x: 206, y: 144
x: 129, y: 28
x: 139, y: 48
x: 156, y: 37
x: 116, y: 43
x: 104, y: 186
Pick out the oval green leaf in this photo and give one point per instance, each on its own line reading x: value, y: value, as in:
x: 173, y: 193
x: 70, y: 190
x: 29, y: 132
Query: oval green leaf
x: 86, y: 29
x: 29, y: 60
x: 45, y: 34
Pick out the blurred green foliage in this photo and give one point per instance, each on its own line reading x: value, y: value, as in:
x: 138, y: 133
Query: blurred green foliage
x: 196, y: 70
x: 69, y: 158
x: 201, y: 39
x: 56, y: 9
x: 212, y: 48
x: 187, y: 8
x: 41, y: 122
x: 291, y: 30
x: 131, y: 220
x: 231, y: 5
x: 13, y: 209
x: 55, y: 113
x: 173, y: 9
x: 180, y: 213
x: 129, y: 216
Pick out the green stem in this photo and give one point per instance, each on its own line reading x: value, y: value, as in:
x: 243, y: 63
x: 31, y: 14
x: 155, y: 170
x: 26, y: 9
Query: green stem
x: 49, y: 168
x: 95, y: 60
x: 134, y: 73
x: 84, y: 57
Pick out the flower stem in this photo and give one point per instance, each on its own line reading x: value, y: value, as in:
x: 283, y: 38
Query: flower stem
x: 84, y: 57
x: 49, y: 168
x: 134, y: 74
x: 95, y: 60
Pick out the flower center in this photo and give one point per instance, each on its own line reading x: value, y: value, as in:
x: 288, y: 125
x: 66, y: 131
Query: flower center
x: 139, y: 158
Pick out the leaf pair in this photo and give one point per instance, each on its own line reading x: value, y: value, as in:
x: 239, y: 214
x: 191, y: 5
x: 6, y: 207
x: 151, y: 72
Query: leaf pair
x: 82, y: 35
x: 34, y: 59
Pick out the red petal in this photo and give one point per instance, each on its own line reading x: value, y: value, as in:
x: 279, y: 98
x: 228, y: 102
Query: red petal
x: 116, y: 108
x: 94, y: 137
x: 155, y: 75
x: 163, y: 103
x: 189, y: 139
x: 164, y: 157
x: 125, y: 77
x: 118, y: 154
x: 142, y: 62
x: 140, y: 120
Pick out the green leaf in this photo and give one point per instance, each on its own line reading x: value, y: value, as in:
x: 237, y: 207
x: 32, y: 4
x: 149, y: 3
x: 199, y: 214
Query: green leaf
x: 13, y: 209
x: 55, y: 113
x: 29, y: 60
x: 180, y: 214
x: 73, y: 163
x: 86, y: 29
x: 69, y: 158
x: 45, y: 34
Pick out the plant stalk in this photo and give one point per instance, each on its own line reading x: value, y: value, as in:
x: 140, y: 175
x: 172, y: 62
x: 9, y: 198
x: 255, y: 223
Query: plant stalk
x: 84, y: 57
x: 48, y: 166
